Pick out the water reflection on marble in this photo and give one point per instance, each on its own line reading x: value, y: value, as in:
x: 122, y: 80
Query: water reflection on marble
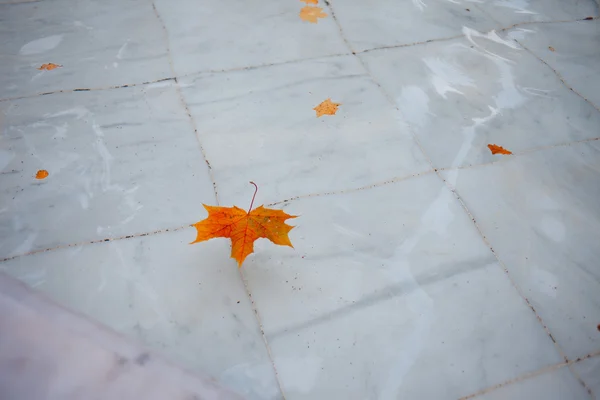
x: 424, y: 266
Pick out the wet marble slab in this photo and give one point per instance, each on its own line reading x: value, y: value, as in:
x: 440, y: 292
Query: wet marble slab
x: 589, y: 371
x: 459, y: 96
x: 540, y: 213
x: 386, y: 288
x: 233, y: 34
x: 572, y: 50
x: 509, y: 12
x: 385, y: 23
x: 112, y: 158
x: 185, y: 302
x: 98, y: 43
x: 555, y: 385
x: 259, y: 125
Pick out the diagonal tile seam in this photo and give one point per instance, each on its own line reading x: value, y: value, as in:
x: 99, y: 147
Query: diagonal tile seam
x: 455, y: 193
x: 294, y: 61
x: 533, y: 374
x: 390, y: 181
x: 194, y: 125
x: 559, y: 76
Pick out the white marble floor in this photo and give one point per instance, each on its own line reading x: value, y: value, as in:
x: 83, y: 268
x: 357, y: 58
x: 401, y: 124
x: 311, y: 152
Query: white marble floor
x: 423, y: 267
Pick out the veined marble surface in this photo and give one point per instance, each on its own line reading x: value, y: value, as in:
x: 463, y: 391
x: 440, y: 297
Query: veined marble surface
x: 423, y: 267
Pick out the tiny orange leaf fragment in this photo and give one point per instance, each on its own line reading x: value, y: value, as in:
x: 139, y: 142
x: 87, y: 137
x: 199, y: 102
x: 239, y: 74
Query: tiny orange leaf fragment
x: 49, y: 66
x: 311, y: 1
x: 327, y: 107
x: 311, y: 14
x: 551, y: 48
x: 41, y: 174
x: 244, y: 227
x: 495, y: 149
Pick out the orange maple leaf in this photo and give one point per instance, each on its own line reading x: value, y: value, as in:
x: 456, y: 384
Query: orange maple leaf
x: 495, y: 149
x: 49, y: 67
x: 41, y: 174
x: 311, y: 14
x: 244, y: 227
x: 311, y: 1
x: 326, y: 107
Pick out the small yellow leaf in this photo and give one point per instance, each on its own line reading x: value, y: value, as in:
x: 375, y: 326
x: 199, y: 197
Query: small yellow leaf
x: 551, y: 48
x: 49, y: 66
x: 41, y: 174
x: 311, y: 14
x: 310, y: 1
x: 327, y: 107
x: 495, y: 149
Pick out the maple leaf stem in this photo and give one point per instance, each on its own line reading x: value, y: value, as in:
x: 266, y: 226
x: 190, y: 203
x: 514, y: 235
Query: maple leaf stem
x: 255, y: 190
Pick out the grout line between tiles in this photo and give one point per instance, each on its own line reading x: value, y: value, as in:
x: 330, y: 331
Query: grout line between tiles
x: 183, y: 102
x: 399, y: 46
x: 194, y: 125
x: 530, y: 375
x: 560, y: 21
x: 582, y: 382
x: 78, y: 244
x: 455, y: 193
x: 128, y: 85
x: 352, y: 190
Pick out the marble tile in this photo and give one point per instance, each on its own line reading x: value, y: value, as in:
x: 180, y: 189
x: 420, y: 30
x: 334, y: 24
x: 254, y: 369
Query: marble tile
x: 461, y: 95
x: 381, y: 23
x: 98, y: 44
x: 259, y: 125
x: 186, y: 302
x: 509, y: 12
x: 387, y: 288
x: 121, y: 161
x: 556, y: 385
x: 51, y: 353
x: 230, y: 34
x: 589, y: 371
x: 575, y: 56
x: 541, y: 214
